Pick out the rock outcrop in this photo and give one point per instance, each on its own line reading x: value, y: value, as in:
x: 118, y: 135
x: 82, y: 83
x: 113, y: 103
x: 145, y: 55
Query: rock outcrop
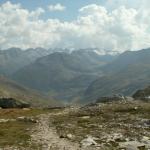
x: 143, y: 94
x: 12, y: 103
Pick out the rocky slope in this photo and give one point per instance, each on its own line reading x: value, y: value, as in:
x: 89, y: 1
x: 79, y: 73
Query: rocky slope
x: 129, y: 72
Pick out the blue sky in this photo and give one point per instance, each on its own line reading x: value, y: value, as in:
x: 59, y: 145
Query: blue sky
x: 108, y: 25
x: 72, y: 7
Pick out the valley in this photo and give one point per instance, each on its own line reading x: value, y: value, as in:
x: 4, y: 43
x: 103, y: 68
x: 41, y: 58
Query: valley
x: 80, y: 76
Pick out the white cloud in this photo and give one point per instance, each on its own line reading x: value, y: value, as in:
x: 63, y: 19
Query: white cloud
x: 120, y: 29
x: 35, y: 14
x: 56, y: 7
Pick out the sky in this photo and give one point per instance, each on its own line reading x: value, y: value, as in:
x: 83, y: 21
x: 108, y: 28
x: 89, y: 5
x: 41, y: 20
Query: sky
x: 70, y: 13
x: 108, y: 25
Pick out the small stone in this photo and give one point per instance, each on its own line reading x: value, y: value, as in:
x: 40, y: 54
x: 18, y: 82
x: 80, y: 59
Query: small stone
x: 88, y: 142
x: 85, y: 117
x: 145, y: 138
x: 135, y: 108
x: 69, y: 136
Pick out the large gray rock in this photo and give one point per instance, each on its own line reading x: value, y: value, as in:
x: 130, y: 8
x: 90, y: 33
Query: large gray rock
x: 132, y: 145
x: 143, y: 94
x: 27, y: 119
x: 12, y: 103
x: 88, y: 141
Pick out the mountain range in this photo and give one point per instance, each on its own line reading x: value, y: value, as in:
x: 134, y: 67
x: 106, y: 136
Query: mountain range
x: 63, y: 75
x: 127, y: 73
x: 13, y: 59
x: 76, y: 76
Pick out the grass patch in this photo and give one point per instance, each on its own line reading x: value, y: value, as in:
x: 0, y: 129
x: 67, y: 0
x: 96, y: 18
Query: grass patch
x: 17, y: 133
x: 14, y: 133
x: 14, y: 113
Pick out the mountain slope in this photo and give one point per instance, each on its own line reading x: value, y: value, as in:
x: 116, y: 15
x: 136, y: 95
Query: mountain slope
x: 129, y: 72
x: 10, y: 89
x: 126, y: 59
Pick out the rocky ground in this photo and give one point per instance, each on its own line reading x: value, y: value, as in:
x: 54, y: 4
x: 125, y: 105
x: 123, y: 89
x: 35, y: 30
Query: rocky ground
x: 107, y: 126
x: 46, y: 135
x: 100, y: 126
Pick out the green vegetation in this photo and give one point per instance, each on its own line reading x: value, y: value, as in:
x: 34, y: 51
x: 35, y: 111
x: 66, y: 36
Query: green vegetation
x: 11, y: 89
x: 14, y: 134
x: 17, y: 133
x: 14, y: 113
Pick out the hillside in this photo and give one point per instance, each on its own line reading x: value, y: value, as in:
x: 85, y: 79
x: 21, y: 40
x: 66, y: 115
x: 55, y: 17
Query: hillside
x: 63, y: 75
x: 10, y: 89
x: 129, y: 72
x: 14, y: 58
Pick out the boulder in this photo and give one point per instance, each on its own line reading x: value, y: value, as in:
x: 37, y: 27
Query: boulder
x: 27, y: 119
x: 132, y: 145
x: 69, y: 136
x: 88, y: 141
x: 145, y: 123
x: 6, y: 120
x: 12, y: 103
x: 143, y: 94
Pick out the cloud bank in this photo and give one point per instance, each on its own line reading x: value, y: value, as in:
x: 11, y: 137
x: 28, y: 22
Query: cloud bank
x: 118, y: 29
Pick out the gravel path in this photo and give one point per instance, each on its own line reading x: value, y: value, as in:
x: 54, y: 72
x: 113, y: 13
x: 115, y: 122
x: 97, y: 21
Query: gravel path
x: 46, y: 136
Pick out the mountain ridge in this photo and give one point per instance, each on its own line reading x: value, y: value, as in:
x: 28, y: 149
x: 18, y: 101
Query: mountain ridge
x: 58, y: 71
x: 127, y: 73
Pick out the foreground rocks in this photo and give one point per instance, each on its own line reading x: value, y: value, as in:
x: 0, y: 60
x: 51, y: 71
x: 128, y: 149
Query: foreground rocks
x: 117, y: 125
x: 27, y: 119
x: 101, y: 126
x: 6, y: 120
x: 88, y: 142
x: 136, y: 145
x: 46, y: 136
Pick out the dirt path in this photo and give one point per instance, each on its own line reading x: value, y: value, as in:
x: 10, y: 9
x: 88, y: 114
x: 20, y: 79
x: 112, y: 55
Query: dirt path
x: 45, y: 135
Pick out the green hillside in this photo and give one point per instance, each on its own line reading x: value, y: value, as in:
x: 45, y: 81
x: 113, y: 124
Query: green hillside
x: 10, y: 89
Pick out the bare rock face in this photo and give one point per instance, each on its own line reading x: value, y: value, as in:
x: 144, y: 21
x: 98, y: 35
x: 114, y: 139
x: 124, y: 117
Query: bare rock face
x: 12, y: 103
